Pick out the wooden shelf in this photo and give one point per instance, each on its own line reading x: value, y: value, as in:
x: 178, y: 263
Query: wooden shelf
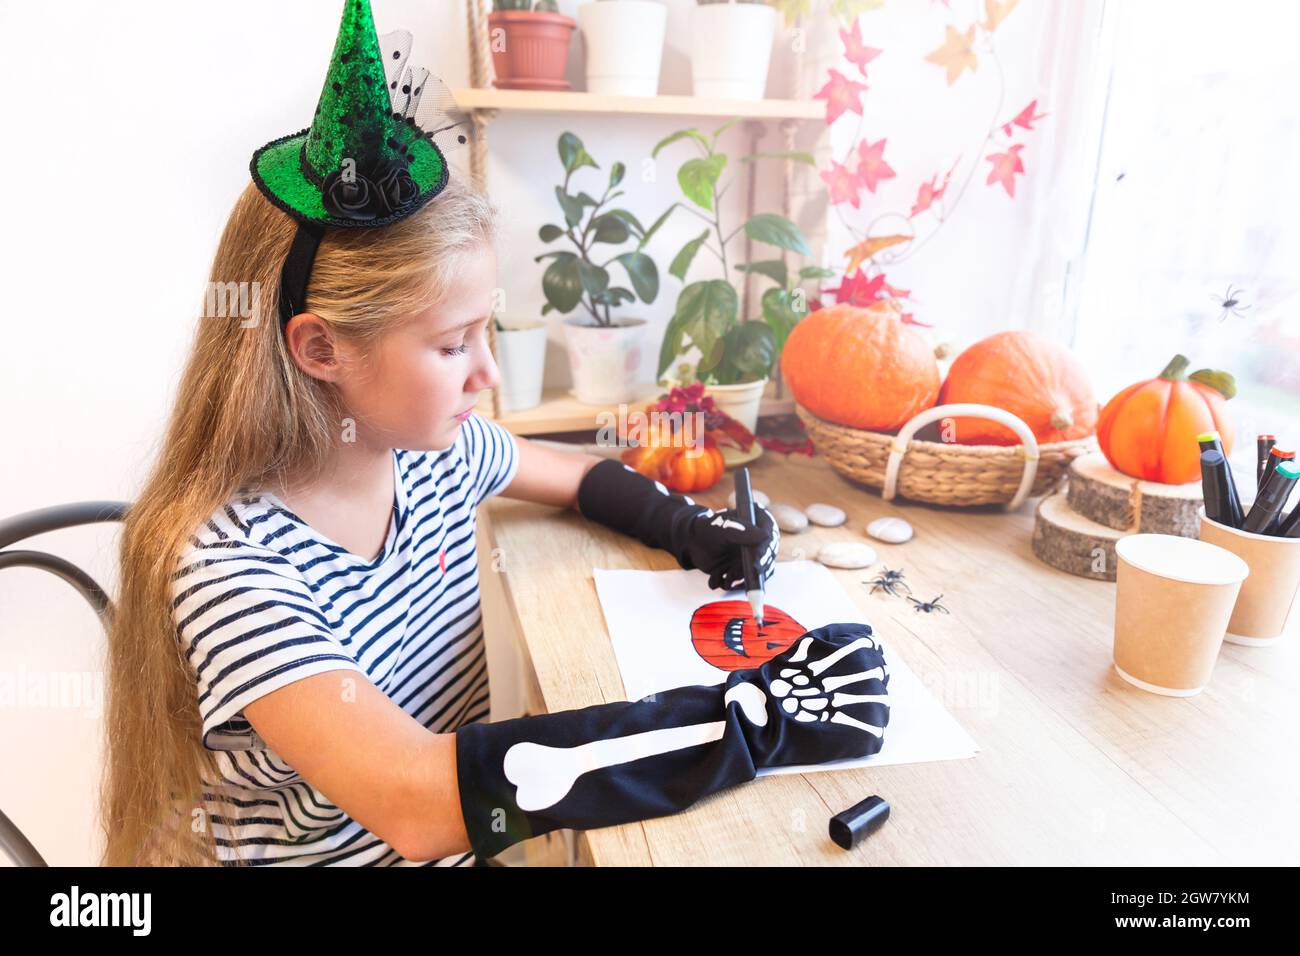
x: 543, y: 101
x: 561, y: 412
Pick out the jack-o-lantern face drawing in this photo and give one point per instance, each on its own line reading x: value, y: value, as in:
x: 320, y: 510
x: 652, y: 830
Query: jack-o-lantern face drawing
x: 726, y: 634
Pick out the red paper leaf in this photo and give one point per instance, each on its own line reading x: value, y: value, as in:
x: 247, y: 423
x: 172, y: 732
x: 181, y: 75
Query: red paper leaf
x: 840, y: 94
x: 854, y: 50
x: 1005, y: 167
x: 871, y: 164
x: 843, y: 182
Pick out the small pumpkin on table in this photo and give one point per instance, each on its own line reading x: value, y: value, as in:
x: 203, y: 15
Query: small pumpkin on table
x: 673, y: 453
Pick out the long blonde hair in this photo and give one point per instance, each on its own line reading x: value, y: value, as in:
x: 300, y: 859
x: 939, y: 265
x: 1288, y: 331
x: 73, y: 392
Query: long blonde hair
x: 245, y: 415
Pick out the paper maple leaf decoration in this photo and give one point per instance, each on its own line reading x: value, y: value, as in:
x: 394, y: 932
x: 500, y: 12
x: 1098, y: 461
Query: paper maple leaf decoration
x: 1025, y: 119
x: 843, y: 182
x: 1005, y: 167
x: 956, y: 54
x: 871, y: 164
x: 995, y: 12
x: 854, y: 50
x: 840, y: 94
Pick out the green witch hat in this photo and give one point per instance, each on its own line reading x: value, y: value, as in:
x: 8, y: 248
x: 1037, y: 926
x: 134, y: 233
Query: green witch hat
x: 375, y: 151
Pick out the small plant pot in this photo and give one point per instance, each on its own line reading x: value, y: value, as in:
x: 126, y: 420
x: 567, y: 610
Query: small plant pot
x: 625, y: 44
x: 731, y: 49
x: 739, y: 401
x: 605, y: 360
x: 530, y: 50
x: 521, y: 353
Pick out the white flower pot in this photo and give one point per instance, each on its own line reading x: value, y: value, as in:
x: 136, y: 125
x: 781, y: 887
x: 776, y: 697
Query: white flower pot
x: 731, y: 48
x: 521, y: 353
x: 624, y: 40
x: 739, y: 401
x: 605, y: 360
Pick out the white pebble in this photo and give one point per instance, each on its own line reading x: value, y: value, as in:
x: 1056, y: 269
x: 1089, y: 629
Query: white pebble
x: 760, y: 499
x: 891, y: 530
x: 846, y: 554
x: 828, y: 516
x: 789, y: 518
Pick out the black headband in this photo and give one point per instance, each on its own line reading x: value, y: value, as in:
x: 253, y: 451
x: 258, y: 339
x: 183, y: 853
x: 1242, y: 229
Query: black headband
x: 297, y: 270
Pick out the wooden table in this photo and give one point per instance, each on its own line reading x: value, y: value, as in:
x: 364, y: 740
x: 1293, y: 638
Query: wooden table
x: 1075, y: 767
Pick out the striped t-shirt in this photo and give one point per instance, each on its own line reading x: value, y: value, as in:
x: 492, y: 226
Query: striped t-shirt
x: 262, y: 600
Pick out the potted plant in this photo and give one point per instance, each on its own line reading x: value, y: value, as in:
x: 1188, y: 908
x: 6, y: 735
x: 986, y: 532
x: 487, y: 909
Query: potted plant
x: 731, y: 47
x: 624, y: 40
x: 736, y: 357
x: 521, y: 353
x: 605, y: 352
x: 530, y: 44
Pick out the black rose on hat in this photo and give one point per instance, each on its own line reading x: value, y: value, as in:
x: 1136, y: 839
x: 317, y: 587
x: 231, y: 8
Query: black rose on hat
x: 356, y: 197
x: 395, y: 184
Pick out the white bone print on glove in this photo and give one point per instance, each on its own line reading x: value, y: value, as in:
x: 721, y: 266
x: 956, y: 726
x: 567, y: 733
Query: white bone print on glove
x: 809, y: 699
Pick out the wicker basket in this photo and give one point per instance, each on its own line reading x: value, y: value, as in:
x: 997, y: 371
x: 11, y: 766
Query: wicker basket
x: 943, y: 473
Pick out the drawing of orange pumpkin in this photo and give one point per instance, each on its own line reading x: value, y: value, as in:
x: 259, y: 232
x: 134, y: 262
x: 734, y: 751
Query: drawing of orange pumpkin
x: 726, y: 634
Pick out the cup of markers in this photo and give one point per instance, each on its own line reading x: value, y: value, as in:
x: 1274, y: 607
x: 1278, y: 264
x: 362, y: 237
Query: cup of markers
x: 1262, y: 532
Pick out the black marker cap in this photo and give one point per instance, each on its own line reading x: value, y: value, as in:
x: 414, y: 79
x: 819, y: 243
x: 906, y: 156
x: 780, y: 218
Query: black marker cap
x: 855, y: 824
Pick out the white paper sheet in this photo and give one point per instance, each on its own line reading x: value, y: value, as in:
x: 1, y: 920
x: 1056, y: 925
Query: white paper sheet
x: 649, y: 618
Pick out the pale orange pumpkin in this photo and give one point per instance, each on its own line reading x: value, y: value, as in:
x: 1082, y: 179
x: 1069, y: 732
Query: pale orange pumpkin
x: 860, y: 367
x: 1149, y: 429
x: 1038, y: 381
x: 670, y: 458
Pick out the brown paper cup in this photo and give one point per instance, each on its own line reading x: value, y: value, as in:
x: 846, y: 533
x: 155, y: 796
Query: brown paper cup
x: 1173, y: 598
x: 1269, y: 593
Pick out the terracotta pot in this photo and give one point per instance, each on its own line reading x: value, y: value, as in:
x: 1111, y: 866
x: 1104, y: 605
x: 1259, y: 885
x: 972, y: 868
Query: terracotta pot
x: 530, y: 50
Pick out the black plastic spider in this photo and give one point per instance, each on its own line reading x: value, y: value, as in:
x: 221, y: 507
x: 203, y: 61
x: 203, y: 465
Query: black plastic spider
x: 1230, y: 303
x: 889, y: 582
x: 928, y: 606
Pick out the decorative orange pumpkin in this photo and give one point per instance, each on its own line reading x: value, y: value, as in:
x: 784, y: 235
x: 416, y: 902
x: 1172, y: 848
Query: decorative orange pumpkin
x: 1149, y: 429
x: 860, y: 367
x: 1038, y: 381
x: 671, y: 459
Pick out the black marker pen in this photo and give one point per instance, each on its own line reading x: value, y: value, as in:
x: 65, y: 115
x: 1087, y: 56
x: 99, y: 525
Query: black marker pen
x: 1263, y: 445
x: 1213, y: 488
x: 1272, y: 497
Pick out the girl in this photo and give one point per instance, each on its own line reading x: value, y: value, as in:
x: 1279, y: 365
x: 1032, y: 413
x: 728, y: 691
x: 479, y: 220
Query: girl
x: 296, y: 665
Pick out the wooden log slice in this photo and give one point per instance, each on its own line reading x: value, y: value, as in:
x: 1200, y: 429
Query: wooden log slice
x: 1075, y: 544
x: 1100, y: 493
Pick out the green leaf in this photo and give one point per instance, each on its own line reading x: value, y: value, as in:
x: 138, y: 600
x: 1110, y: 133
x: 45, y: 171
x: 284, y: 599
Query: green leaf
x: 778, y: 231
x: 780, y: 315
x: 774, y: 269
x: 707, y: 309
x: 1221, y: 382
x: 561, y: 283
x: 749, y: 351
x: 614, y: 295
x: 680, y: 134
x: 710, y: 362
x: 798, y: 157
x: 633, y: 224
x: 726, y: 126
x: 616, y: 173
x: 643, y: 272
x: 673, y: 343
x: 549, y: 232
x: 587, y: 200
x: 682, y: 261
x: 571, y: 205
x: 610, y: 229
x: 573, y: 154
x: 817, y: 272
x: 699, y: 178
x: 594, y: 279
x: 655, y: 228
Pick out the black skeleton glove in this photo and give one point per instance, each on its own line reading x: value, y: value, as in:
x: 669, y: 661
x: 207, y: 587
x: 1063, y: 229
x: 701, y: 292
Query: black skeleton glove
x: 824, y: 698
x: 619, y: 497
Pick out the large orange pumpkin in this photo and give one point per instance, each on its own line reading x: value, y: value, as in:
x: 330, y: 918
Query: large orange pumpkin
x: 1038, y: 381
x: 860, y: 367
x: 1149, y: 429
